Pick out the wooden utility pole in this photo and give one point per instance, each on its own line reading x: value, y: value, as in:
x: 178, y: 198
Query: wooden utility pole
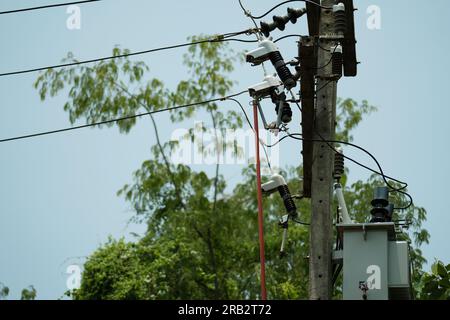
x: 320, y: 258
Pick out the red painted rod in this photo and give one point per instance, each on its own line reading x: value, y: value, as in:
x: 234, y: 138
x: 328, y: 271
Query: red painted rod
x: 260, y: 205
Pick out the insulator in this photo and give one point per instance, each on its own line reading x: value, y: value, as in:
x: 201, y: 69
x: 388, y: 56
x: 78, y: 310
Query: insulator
x: 283, y: 71
x: 338, y: 60
x: 380, y: 205
x: 286, y: 115
x: 338, y: 165
x: 380, y: 197
x: 340, y: 19
x: 281, y: 21
x: 390, y: 212
x: 266, y: 28
x: 289, y: 204
x: 294, y: 14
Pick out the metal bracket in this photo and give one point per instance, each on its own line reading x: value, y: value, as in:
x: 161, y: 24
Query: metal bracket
x: 331, y: 36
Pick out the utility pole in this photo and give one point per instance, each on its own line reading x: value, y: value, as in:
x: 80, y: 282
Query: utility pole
x: 329, y: 48
x: 321, y: 232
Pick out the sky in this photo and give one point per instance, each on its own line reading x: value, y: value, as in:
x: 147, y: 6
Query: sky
x: 58, y: 199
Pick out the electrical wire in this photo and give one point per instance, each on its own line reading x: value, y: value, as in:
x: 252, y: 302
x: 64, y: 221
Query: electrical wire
x: 300, y: 222
x: 244, y: 41
x: 259, y: 35
x: 47, y: 6
x: 251, y: 126
x: 337, y: 273
x: 248, y: 14
x: 34, y: 135
x: 295, y: 100
x: 324, y: 86
x: 380, y: 172
x: 411, y: 202
x: 329, y: 61
x: 279, y: 5
x: 288, y: 36
x: 219, y: 38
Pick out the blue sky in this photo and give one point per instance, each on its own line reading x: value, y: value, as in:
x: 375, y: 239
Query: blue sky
x: 58, y: 193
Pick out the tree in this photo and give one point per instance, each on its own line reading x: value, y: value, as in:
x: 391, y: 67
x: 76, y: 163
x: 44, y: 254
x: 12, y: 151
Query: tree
x: 28, y: 293
x: 201, y: 243
x: 436, y: 285
x: 4, y: 291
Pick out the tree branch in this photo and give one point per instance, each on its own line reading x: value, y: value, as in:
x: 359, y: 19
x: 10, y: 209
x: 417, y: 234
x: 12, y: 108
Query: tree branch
x: 158, y: 141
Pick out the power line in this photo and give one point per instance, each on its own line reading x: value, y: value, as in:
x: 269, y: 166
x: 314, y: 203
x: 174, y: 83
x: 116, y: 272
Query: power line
x: 34, y: 135
x: 301, y: 222
x: 218, y: 38
x: 288, y: 36
x: 298, y: 136
x: 247, y: 12
x: 380, y: 173
x: 47, y: 6
x: 251, y: 126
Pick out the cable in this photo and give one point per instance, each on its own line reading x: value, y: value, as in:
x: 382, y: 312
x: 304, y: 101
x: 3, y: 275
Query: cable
x: 259, y: 35
x: 251, y: 126
x: 336, y: 274
x: 278, y: 142
x: 300, y: 222
x: 329, y: 61
x: 219, y: 38
x: 295, y: 100
x: 241, y: 40
x: 324, y: 86
x: 279, y: 5
x: 380, y: 173
x: 48, y: 6
x: 288, y: 36
x: 248, y: 14
x: 411, y: 201
x: 118, y: 119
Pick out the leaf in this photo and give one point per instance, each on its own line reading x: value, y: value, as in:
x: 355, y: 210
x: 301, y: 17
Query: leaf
x: 441, y: 270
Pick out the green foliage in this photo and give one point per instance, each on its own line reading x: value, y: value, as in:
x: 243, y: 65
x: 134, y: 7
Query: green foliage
x: 4, y: 291
x: 349, y: 114
x: 96, y: 94
x: 436, y: 285
x: 28, y: 293
x: 201, y: 243
x: 115, y: 272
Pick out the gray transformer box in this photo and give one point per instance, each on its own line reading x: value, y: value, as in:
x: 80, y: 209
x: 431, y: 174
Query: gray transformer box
x: 372, y: 257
